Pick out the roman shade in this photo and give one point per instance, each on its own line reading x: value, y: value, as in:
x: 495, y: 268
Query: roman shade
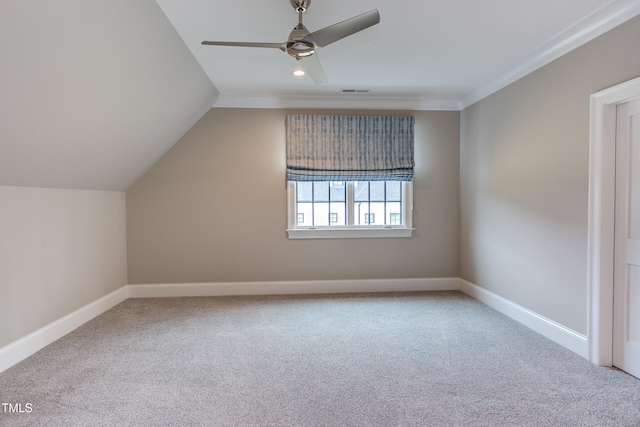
x: 349, y: 148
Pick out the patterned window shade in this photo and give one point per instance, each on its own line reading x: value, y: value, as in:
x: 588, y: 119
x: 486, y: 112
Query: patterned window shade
x: 349, y: 148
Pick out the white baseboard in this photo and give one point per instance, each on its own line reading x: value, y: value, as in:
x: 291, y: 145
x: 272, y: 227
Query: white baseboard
x: 292, y: 287
x: 25, y: 347
x: 548, y: 328
x: 28, y: 345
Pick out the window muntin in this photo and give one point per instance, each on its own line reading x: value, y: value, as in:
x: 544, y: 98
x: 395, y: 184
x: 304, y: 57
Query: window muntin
x: 375, y: 201
x: 349, y: 205
x: 323, y: 203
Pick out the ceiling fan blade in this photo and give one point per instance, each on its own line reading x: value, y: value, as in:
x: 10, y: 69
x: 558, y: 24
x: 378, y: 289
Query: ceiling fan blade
x: 343, y: 29
x: 312, y: 67
x: 281, y: 46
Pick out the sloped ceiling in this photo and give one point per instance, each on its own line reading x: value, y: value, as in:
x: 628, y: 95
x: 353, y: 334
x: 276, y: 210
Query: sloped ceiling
x: 92, y: 92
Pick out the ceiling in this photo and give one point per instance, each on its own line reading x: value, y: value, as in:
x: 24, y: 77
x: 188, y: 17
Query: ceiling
x: 424, y: 54
x: 95, y: 92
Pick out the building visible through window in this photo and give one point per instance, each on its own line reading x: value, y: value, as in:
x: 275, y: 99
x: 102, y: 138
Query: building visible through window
x: 348, y: 203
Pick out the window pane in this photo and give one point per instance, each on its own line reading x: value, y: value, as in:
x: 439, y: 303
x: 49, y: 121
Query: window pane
x: 394, y: 211
x: 321, y: 191
x: 337, y: 191
x: 304, y: 191
x: 361, y: 191
x: 320, y: 214
x: 338, y: 212
x: 394, y: 191
x: 376, y: 191
x: 360, y: 211
x: 377, y: 210
x: 304, y: 211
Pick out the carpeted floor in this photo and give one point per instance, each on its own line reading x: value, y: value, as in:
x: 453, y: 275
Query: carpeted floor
x: 410, y: 359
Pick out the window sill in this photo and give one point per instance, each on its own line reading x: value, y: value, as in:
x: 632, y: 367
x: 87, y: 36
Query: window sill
x: 348, y: 233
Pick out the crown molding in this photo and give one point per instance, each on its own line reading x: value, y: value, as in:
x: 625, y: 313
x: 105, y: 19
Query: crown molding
x: 602, y: 20
x: 356, y: 102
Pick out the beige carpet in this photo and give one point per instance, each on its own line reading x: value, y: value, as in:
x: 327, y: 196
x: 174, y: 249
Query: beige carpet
x: 410, y: 359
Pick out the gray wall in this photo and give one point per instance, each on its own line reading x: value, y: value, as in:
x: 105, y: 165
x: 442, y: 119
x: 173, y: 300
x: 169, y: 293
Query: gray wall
x: 213, y: 209
x: 524, y: 179
x: 59, y: 251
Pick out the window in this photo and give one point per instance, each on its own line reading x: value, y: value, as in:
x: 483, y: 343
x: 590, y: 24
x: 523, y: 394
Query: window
x: 349, y: 176
x: 336, y: 209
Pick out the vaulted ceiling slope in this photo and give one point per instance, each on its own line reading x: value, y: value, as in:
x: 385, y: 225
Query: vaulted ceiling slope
x: 93, y: 93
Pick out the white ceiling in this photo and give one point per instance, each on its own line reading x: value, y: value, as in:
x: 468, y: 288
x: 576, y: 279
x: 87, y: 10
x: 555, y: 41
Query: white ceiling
x: 424, y: 54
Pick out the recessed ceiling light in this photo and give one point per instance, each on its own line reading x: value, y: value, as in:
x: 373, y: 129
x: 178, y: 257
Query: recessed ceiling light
x: 298, y: 73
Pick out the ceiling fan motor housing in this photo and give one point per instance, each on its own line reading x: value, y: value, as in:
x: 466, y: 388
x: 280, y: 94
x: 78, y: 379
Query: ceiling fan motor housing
x: 300, y: 5
x: 296, y: 46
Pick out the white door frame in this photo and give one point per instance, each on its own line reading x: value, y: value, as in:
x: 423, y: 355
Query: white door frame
x: 602, y: 168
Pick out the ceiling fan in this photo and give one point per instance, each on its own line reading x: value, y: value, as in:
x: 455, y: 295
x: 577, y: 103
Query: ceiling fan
x: 302, y: 44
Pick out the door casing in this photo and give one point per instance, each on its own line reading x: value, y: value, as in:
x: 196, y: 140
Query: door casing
x: 602, y: 168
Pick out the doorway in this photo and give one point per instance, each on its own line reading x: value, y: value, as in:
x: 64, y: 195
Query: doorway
x: 626, y: 276
x: 601, y: 246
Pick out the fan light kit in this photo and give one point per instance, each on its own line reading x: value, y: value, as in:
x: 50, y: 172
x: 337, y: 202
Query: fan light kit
x: 302, y: 44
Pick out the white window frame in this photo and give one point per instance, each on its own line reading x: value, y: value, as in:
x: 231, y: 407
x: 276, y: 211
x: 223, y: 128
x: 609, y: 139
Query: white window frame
x: 353, y: 231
